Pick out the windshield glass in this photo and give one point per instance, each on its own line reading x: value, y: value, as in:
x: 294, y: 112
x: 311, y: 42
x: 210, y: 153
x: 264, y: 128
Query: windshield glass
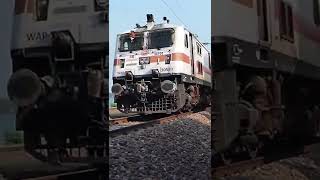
x: 126, y: 44
x: 160, y: 39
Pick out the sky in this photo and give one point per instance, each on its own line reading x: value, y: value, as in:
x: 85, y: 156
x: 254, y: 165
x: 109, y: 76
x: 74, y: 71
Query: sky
x: 124, y: 14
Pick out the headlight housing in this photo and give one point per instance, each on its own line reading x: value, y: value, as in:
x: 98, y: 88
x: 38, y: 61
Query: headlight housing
x: 168, y: 59
x: 122, y: 61
x: 144, y: 60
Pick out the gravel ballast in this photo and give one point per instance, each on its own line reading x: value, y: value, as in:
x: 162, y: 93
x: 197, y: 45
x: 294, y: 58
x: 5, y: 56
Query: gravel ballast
x: 180, y: 149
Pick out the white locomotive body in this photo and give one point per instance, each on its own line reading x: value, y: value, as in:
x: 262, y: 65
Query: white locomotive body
x: 59, y: 50
x: 267, y: 51
x: 154, y: 67
x: 36, y: 22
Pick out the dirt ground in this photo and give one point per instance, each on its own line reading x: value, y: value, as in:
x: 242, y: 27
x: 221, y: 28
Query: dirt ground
x: 306, y: 167
x: 17, y: 164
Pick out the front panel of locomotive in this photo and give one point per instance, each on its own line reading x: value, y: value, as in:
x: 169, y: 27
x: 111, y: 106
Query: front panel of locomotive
x: 58, y: 55
x: 149, y: 66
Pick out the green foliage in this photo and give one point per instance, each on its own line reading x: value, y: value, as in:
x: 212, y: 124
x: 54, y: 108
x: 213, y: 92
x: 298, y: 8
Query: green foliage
x: 113, y: 104
x: 15, y: 137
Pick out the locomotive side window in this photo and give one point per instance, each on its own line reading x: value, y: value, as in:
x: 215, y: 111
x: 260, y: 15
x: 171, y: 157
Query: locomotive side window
x: 186, y: 44
x: 316, y: 12
x: 19, y: 6
x: 41, y: 10
x: 128, y: 44
x: 199, y: 49
x: 286, y: 22
x: 160, y: 39
x: 200, y: 70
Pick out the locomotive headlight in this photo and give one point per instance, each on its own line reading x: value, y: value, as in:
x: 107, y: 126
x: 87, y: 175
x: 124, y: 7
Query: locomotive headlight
x: 144, y: 60
x: 117, y: 89
x: 168, y: 59
x: 168, y: 87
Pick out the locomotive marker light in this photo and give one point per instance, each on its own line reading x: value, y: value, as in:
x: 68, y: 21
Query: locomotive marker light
x: 122, y: 61
x: 155, y: 73
x: 168, y: 59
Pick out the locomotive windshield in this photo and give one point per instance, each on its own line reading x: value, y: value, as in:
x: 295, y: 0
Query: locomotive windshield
x: 128, y: 44
x: 160, y: 39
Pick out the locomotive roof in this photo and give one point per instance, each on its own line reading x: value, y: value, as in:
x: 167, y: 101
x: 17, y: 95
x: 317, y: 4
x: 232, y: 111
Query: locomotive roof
x: 155, y: 27
x: 162, y: 26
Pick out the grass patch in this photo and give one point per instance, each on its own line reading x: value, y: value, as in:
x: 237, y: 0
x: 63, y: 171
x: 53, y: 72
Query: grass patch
x: 113, y: 105
x: 15, y: 137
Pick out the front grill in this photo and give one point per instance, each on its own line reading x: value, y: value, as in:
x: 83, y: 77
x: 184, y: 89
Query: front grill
x: 161, y: 105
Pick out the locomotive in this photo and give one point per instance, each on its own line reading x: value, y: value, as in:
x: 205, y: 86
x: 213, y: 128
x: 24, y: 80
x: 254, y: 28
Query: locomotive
x: 58, y: 51
x: 270, y: 63
x: 160, y: 68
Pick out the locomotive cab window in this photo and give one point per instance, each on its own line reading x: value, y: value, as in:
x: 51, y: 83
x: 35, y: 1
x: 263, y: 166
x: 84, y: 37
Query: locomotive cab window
x: 41, y: 9
x: 129, y: 44
x: 199, y: 51
x: 160, y: 39
x: 186, y: 44
x: 286, y: 22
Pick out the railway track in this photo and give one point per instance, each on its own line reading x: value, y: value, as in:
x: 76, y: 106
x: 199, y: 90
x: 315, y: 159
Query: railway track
x: 145, y: 122
x: 81, y: 174
x: 94, y: 174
